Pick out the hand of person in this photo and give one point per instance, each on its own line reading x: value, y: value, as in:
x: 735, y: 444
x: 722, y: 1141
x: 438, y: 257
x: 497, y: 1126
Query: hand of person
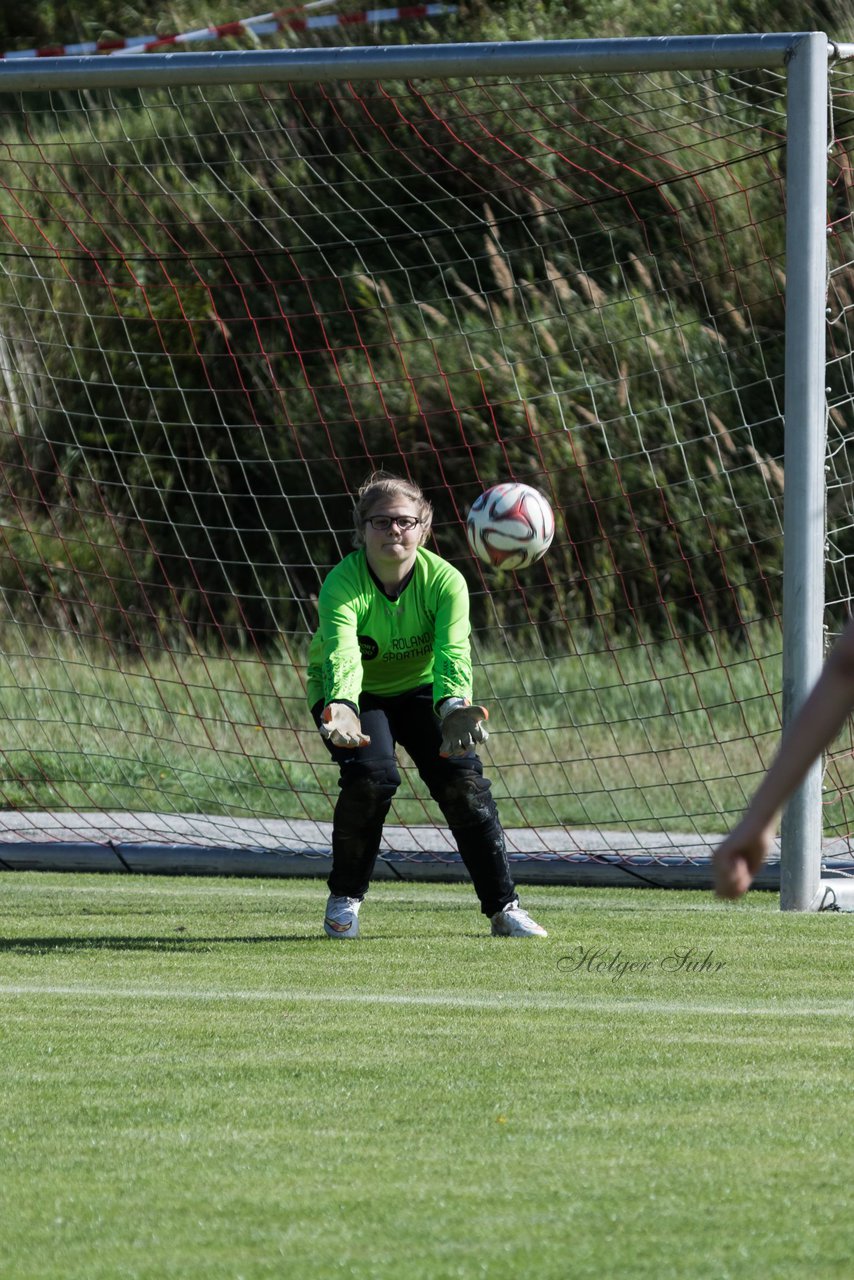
x: 738, y: 858
x: 341, y: 726
x: 462, y: 726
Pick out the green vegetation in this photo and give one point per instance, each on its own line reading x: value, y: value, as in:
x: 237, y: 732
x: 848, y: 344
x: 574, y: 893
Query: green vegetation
x: 219, y: 308
x: 653, y: 738
x: 43, y: 22
x: 198, y: 1085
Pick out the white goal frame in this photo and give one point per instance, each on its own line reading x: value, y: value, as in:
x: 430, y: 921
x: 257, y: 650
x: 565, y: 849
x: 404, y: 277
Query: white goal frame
x: 805, y: 59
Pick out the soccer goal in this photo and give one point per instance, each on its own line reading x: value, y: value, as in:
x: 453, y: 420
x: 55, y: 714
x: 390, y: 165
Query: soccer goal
x: 235, y: 283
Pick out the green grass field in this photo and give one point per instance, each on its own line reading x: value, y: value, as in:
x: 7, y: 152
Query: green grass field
x: 196, y: 1083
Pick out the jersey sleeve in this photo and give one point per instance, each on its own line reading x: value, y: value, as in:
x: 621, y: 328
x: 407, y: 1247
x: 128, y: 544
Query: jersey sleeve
x: 339, y: 658
x: 452, y: 674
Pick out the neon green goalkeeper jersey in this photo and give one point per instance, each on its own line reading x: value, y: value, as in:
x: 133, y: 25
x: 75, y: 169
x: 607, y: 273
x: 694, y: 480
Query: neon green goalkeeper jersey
x: 364, y: 641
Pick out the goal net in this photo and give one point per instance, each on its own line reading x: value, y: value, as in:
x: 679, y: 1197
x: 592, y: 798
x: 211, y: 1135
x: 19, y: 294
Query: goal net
x: 223, y: 305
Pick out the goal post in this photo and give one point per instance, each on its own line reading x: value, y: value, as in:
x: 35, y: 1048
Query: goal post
x: 234, y: 283
x: 805, y: 446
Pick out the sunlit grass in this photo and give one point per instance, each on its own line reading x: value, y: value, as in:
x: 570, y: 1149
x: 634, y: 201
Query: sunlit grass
x: 197, y: 1083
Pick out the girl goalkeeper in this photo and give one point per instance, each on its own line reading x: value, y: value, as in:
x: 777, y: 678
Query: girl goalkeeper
x: 390, y: 663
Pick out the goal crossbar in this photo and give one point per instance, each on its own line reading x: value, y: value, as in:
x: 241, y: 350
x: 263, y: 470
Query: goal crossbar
x: 529, y: 58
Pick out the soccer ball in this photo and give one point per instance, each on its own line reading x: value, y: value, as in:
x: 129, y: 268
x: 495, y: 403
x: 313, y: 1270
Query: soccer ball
x: 510, y: 526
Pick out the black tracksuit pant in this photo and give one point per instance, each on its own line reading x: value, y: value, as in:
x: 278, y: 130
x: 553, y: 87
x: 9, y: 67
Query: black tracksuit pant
x: 369, y: 778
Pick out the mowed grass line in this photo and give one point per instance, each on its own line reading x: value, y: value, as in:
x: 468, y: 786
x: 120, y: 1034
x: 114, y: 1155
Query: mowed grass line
x: 196, y: 1083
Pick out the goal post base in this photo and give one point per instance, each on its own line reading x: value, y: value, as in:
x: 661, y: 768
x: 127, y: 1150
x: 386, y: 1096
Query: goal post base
x: 835, y: 895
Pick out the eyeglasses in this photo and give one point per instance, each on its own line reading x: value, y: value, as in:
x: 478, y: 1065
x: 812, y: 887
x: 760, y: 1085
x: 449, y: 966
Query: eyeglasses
x: 382, y: 523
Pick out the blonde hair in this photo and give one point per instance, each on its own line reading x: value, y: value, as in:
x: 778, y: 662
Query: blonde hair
x: 385, y: 486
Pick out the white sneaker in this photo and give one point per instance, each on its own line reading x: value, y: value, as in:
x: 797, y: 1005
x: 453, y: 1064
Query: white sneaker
x: 513, y: 922
x: 342, y: 917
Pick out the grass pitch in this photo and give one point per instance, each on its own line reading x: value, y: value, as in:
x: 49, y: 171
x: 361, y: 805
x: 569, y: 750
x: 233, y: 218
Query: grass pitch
x: 198, y: 1084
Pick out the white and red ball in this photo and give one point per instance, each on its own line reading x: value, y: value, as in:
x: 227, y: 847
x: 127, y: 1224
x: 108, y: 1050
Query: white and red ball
x: 510, y: 526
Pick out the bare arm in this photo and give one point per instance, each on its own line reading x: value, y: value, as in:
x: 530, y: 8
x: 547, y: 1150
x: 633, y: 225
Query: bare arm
x: 819, y: 720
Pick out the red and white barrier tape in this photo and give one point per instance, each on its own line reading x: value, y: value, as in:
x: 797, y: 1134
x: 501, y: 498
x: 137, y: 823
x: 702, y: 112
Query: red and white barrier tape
x: 264, y: 25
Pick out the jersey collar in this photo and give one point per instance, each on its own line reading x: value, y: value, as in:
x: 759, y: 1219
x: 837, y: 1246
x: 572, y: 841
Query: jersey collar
x: 398, y: 592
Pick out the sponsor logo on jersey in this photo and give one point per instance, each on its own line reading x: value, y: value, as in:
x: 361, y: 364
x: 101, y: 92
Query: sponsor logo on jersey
x: 368, y: 647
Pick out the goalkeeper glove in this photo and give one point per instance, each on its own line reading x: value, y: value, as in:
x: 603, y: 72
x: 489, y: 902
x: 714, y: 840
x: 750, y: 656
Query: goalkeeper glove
x: 340, y: 724
x: 462, y: 726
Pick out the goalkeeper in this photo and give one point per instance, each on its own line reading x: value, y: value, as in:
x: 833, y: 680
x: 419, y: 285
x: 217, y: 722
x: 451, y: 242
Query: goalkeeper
x: 819, y: 720
x: 390, y: 663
